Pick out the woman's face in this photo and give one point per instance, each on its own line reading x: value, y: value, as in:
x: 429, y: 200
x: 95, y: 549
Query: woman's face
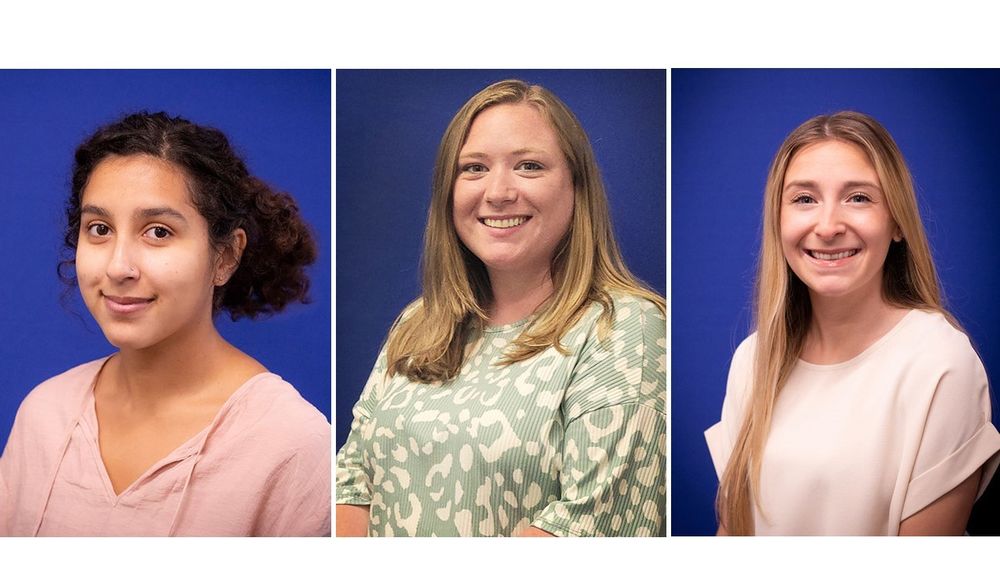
x: 513, y: 198
x: 835, y: 223
x: 144, y: 262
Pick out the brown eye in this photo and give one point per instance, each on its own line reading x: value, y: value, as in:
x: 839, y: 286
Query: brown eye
x: 158, y: 233
x: 99, y: 230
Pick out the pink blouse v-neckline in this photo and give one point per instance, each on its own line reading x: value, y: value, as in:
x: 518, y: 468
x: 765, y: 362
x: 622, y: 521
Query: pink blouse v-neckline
x: 262, y: 467
x: 186, y: 449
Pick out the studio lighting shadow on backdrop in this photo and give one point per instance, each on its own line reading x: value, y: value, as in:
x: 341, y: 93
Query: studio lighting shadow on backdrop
x: 278, y: 121
x: 726, y: 127
x: 389, y: 125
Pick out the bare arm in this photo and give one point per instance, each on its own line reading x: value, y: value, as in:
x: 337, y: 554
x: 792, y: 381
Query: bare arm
x: 352, y: 520
x: 533, y: 532
x: 948, y: 515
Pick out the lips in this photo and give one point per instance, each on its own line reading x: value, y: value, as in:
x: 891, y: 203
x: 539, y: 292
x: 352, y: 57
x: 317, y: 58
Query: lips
x: 831, y: 255
x: 505, y: 222
x: 125, y: 304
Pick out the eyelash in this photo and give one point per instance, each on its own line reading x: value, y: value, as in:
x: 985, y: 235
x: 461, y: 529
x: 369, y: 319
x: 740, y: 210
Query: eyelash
x: 526, y: 166
x: 168, y: 232
x: 469, y: 168
x: 93, y: 227
x: 802, y: 197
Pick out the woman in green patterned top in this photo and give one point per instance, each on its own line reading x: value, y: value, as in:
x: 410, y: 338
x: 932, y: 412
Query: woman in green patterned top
x: 524, y: 393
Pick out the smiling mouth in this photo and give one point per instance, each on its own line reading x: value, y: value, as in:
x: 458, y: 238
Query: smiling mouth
x: 833, y: 255
x: 123, y: 304
x: 504, y: 223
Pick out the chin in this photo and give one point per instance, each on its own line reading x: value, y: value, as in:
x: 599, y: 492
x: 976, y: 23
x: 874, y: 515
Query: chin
x: 130, y: 340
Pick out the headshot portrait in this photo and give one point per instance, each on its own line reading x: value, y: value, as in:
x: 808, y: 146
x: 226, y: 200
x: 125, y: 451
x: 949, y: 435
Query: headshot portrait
x: 835, y: 339
x: 501, y: 332
x: 166, y: 333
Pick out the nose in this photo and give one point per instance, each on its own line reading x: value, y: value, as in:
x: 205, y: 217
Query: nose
x: 501, y: 189
x: 830, y: 223
x: 121, y: 265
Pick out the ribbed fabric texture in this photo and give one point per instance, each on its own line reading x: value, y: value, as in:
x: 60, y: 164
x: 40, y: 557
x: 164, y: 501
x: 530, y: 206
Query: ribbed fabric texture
x: 574, y: 445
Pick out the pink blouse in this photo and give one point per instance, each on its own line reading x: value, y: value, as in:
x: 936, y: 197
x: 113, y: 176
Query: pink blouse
x: 261, y: 468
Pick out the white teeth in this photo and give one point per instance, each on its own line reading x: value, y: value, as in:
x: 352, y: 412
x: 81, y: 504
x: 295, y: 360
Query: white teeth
x: 837, y: 256
x: 504, y: 223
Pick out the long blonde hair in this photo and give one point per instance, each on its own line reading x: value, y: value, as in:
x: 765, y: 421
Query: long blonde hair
x: 427, y: 343
x: 782, y: 310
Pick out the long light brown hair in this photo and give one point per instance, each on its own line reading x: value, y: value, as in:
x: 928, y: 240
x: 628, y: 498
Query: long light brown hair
x: 782, y: 311
x: 428, y: 341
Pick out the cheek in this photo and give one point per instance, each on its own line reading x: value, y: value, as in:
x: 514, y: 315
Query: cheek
x: 87, y: 265
x: 790, y: 232
x: 463, y: 210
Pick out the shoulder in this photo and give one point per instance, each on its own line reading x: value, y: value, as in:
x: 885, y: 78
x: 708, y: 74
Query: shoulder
x: 935, y: 352
x: 628, y: 315
x: 934, y: 337
x: 59, y: 394
x: 53, y: 406
x: 618, y: 362
x: 276, y: 411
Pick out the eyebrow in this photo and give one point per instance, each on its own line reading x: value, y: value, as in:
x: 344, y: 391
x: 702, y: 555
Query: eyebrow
x: 147, y: 213
x: 809, y: 184
x: 518, y: 152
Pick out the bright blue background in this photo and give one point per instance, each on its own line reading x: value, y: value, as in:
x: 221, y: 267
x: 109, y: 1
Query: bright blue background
x: 727, y: 125
x: 278, y: 120
x: 389, y: 124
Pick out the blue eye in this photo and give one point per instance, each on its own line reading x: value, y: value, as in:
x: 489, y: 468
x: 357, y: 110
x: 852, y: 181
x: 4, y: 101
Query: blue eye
x: 803, y: 198
x: 530, y: 166
x: 859, y: 198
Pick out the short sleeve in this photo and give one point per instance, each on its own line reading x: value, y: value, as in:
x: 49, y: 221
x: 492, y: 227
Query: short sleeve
x: 722, y: 435
x: 613, y: 474
x: 353, y: 484
x: 957, y: 437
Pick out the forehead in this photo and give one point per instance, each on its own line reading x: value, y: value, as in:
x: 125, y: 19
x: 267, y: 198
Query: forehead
x: 137, y: 181
x: 833, y: 159
x: 511, y: 124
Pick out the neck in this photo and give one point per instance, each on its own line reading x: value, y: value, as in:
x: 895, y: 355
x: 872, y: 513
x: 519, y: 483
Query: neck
x: 516, y: 295
x: 189, y: 363
x: 842, y: 327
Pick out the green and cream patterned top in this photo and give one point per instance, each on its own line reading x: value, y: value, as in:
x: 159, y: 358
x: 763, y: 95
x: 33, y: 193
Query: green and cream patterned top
x: 574, y: 445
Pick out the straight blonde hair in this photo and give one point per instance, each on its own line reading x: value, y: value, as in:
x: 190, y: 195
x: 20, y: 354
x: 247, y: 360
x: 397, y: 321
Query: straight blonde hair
x: 427, y: 342
x: 782, y: 311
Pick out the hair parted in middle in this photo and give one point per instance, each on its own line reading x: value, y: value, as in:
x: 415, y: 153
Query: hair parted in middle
x: 782, y: 310
x: 427, y: 342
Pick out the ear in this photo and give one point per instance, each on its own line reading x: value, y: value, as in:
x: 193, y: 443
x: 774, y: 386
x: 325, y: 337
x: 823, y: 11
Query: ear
x: 229, y: 257
x: 897, y: 236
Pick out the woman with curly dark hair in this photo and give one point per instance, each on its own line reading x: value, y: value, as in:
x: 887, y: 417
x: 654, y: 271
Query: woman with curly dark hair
x: 179, y: 432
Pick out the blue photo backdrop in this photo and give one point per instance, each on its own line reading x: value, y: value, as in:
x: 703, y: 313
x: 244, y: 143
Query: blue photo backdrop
x: 278, y: 120
x: 389, y: 124
x: 726, y: 127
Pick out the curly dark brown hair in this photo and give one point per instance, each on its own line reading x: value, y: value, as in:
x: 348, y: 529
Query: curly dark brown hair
x: 271, y: 273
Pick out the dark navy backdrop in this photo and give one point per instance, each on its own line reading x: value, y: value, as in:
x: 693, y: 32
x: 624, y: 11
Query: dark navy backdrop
x: 726, y: 126
x: 278, y: 120
x: 389, y: 124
